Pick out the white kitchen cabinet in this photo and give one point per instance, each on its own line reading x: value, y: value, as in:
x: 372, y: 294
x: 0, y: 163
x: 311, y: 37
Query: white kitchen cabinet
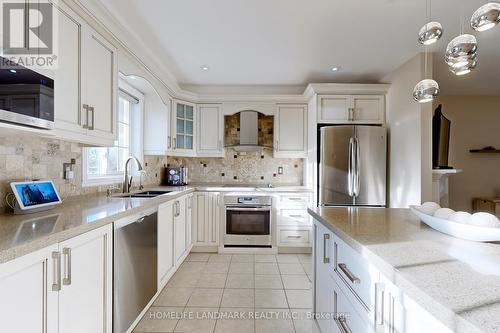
x: 100, y: 85
x: 166, y: 260
x: 351, y: 109
x: 29, y: 292
x: 180, y: 230
x: 66, y: 287
x: 206, y: 218
x: 210, y: 134
x: 290, y: 131
x: 68, y: 115
x: 189, y: 221
x: 183, y: 128
x: 157, y: 121
x: 323, y: 263
x: 85, y: 299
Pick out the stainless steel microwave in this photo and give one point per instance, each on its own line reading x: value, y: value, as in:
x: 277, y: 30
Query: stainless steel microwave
x: 26, y: 97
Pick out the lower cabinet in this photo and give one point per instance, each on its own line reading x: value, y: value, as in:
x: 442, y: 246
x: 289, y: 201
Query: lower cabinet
x: 66, y: 287
x: 293, y: 223
x: 357, y: 296
x: 166, y: 260
x: 174, y: 236
x: 207, y: 215
x: 323, y: 287
x: 180, y: 230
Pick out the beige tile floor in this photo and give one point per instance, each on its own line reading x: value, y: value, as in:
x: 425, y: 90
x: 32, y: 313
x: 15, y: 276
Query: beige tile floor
x: 241, y: 293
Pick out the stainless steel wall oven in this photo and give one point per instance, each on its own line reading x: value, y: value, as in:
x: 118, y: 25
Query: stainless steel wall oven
x: 247, y: 221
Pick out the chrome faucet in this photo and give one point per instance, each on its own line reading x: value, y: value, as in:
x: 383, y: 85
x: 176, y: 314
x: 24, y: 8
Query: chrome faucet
x: 127, y: 181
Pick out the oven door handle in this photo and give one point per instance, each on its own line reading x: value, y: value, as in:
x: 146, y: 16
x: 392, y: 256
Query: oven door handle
x: 249, y: 209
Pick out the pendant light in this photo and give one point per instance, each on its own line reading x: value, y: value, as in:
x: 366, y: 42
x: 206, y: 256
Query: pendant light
x: 427, y: 89
x: 431, y: 31
x: 486, y: 17
x: 461, y: 52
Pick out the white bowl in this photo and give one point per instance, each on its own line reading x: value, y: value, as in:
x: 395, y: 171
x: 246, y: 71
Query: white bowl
x: 484, y: 220
x: 429, y: 207
x: 443, y: 213
x: 460, y: 217
x: 459, y: 230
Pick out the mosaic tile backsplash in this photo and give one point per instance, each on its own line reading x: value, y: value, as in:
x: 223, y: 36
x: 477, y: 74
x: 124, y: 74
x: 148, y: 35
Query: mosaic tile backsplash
x: 240, y: 168
x: 30, y: 157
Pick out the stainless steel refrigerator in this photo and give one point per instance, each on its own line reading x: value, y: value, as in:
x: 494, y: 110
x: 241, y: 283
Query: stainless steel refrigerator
x: 352, y: 166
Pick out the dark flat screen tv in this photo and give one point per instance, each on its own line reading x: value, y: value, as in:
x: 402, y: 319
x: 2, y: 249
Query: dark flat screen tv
x: 440, y: 139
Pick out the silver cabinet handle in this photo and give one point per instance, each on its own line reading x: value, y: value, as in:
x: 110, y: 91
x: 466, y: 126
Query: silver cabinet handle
x: 56, y: 273
x: 169, y: 142
x: 342, y: 324
x: 295, y: 199
x: 294, y: 236
x: 174, y: 146
x: 349, y: 274
x: 91, y: 110
x: 297, y: 216
x: 86, y: 108
x: 326, y: 259
x: 67, y: 266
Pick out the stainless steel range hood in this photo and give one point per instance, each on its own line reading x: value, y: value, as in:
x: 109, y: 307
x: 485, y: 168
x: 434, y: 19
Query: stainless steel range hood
x: 249, y: 132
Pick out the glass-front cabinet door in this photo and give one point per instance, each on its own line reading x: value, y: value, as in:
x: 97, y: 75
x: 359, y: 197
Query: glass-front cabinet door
x: 183, y: 128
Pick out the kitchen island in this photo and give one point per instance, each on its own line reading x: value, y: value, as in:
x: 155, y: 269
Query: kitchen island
x: 396, y: 272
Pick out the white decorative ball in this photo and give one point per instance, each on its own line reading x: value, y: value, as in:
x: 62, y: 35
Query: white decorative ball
x: 443, y: 213
x: 460, y: 217
x: 429, y: 208
x: 484, y: 220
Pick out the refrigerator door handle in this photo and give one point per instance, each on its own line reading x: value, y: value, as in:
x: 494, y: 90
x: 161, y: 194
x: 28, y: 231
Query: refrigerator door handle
x: 350, y: 169
x: 356, y: 168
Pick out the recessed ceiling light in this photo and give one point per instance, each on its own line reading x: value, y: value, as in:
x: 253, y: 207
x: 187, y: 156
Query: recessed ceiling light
x: 132, y: 77
x: 335, y: 69
x: 205, y: 68
x: 13, y: 71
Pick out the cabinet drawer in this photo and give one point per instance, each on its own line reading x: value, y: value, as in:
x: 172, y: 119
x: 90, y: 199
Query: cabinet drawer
x: 293, y: 216
x: 347, y: 319
x: 354, y: 271
x: 289, y: 237
x: 293, y: 200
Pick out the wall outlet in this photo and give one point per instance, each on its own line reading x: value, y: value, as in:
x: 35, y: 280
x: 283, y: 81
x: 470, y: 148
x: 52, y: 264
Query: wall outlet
x: 280, y: 170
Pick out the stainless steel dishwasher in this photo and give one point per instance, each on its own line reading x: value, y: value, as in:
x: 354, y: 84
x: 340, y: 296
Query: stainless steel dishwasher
x: 135, y: 266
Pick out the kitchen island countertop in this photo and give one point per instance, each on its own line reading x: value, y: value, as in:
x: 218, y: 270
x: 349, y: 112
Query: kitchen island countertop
x: 455, y: 280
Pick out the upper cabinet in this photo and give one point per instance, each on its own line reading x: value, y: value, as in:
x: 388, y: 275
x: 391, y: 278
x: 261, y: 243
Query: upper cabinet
x: 100, y: 85
x: 346, y: 109
x: 183, y: 129
x: 290, y: 131
x: 85, y: 82
x: 210, y: 134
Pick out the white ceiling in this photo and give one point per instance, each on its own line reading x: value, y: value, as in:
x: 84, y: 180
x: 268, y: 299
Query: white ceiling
x: 295, y: 42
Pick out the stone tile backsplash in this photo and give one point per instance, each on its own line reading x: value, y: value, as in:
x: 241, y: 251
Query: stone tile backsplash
x: 30, y: 157
x: 240, y: 168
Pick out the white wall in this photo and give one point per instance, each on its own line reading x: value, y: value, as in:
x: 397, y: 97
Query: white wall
x: 409, y: 169
x: 475, y: 123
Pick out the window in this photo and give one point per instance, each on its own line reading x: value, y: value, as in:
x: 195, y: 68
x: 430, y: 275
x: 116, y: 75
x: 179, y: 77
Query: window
x: 105, y: 165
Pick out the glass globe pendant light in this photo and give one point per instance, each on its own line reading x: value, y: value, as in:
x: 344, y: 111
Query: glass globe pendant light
x: 431, y: 31
x: 486, y: 17
x: 427, y: 89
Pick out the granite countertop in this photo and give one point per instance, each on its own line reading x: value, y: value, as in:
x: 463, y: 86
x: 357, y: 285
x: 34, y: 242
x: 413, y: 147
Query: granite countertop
x: 23, y: 234
x: 457, y: 281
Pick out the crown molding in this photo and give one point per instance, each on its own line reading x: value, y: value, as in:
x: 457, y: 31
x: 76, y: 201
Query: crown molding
x: 135, y: 49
